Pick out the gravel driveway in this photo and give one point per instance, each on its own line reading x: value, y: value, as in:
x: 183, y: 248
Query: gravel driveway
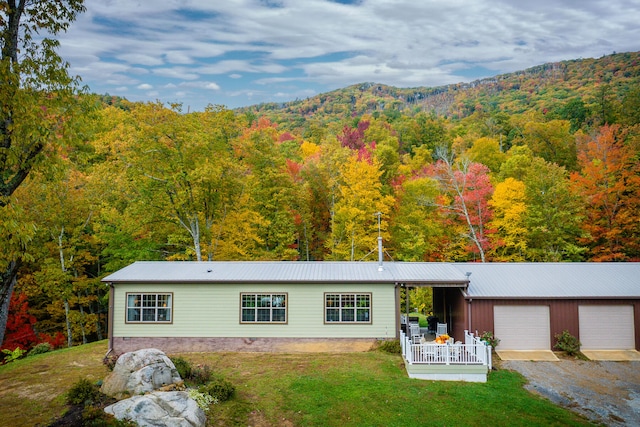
x: 605, y: 392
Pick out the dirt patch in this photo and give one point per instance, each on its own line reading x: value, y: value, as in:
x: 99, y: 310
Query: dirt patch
x: 327, y: 346
x: 603, y: 391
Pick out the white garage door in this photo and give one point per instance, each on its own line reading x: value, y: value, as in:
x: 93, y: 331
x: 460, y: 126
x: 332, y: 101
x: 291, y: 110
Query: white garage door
x: 606, y: 327
x: 522, y: 327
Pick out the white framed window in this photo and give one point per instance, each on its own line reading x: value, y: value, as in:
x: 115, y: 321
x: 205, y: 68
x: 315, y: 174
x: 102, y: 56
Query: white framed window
x: 263, y: 308
x: 347, y: 308
x: 149, y: 308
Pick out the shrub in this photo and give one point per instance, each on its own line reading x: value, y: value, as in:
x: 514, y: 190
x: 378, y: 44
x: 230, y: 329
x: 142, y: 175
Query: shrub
x: 183, y: 366
x: 219, y: 389
x: 11, y: 355
x: 391, y: 346
x: 43, y: 347
x: 567, y: 343
x: 490, y: 339
x: 200, y: 374
x: 83, y: 392
x: 110, y: 361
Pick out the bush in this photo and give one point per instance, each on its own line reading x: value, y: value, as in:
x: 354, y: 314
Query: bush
x: 567, y: 343
x: 200, y: 374
x: 43, y: 347
x: 391, y: 346
x: 219, y: 389
x: 197, y: 375
x: 110, y: 361
x: 183, y: 366
x: 83, y: 392
x: 11, y: 355
x: 490, y: 339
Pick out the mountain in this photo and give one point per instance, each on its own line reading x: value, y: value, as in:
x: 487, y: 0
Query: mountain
x: 545, y: 88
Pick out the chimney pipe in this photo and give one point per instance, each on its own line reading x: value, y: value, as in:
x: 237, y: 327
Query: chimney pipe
x: 380, y: 256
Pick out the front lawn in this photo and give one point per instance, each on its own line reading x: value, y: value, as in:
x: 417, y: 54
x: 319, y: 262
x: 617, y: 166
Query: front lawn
x: 306, y: 389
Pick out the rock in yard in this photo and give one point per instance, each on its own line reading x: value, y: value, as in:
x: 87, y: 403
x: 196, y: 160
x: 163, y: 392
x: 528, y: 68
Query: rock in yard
x: 139, y: 372
x: 172, y: 408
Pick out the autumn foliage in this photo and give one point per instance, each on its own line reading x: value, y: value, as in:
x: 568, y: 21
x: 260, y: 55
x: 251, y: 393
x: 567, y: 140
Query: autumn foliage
x: 541, y: 165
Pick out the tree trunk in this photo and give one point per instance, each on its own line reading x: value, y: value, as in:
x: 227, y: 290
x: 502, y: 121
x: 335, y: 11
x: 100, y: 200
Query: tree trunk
x: 8, y: 283
x: 66, y: 315
x: 84, y: 334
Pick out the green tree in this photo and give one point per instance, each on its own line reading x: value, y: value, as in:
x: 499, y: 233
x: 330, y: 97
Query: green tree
x: 552, y: 141
x: 271, y: 188
x: 415, y: 227
x: 36, y: 97
x: 487, y: 151
x: 552, y: 210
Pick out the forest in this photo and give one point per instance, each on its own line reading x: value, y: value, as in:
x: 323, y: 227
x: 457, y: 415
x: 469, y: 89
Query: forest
x: 541, y: 165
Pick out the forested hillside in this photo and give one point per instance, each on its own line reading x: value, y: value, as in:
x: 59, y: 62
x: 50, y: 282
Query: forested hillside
x: 539, y: 165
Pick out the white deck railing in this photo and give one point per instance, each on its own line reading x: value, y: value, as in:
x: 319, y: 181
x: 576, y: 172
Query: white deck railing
x: 473, y: 352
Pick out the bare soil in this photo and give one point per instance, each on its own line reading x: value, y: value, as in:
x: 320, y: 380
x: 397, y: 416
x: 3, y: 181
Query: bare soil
x: 604, y: 392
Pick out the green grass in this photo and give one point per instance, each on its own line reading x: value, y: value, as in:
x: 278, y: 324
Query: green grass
x: 422, y: 319
x: 313, y: 389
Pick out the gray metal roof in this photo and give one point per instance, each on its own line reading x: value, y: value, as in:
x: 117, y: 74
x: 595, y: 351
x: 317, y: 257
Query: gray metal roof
x: 553, y: 280
x: 283, y: 271
x: 487, y: 280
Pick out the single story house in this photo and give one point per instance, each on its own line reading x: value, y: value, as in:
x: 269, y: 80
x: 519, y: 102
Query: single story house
x: 272, y: 306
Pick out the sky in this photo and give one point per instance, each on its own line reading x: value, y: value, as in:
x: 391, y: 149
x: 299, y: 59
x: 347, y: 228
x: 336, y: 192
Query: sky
x: 244, y: 52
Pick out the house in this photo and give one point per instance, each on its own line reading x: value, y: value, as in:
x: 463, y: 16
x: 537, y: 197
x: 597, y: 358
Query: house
x: 279, y: 306
x: 245, y: 306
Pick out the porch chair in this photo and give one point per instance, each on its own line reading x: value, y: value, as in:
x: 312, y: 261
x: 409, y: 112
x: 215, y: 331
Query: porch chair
x: 441, y: 329
x: 415, y: 334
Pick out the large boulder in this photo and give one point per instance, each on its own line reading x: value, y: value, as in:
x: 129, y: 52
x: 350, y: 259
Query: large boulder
x: 170, y: 408
x: 139, y: 372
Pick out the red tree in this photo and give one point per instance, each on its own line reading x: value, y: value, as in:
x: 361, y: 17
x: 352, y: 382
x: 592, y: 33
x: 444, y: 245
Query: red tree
x: 609, y: 181
x: 20, y: 330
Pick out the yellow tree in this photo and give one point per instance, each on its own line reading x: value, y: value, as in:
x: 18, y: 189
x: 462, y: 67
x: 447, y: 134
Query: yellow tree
x: 509, y: 214
x: 487, y: 151
x: 355, y: 224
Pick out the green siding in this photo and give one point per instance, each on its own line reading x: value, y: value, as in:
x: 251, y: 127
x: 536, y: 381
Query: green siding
x: 213, y: 310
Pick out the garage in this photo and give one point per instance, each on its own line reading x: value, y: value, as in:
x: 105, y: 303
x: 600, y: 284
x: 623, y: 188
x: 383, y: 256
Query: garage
x: 522, y: 327
x: 606, y: 327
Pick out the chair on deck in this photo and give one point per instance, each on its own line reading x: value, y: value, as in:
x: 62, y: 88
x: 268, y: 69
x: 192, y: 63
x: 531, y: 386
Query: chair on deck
x: 414, y: 329
x: 441, y: 329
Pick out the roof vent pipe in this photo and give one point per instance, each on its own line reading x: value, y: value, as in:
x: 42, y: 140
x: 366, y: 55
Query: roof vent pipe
x: 380, y: 256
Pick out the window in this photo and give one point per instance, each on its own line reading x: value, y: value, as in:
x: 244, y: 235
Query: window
x: 264, y: 308
x: 347, y: 308
x: 149, y: 308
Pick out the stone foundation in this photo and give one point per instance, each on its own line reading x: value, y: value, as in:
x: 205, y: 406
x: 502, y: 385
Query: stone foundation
x: 267, y: 345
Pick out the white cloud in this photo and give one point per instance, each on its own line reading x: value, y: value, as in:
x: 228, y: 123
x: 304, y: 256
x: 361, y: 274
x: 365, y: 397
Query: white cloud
x: 323, y: 42
x: 145, y: 86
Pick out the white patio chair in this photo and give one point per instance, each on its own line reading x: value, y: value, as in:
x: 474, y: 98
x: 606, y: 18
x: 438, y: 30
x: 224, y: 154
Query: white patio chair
x: 429, y: 351
x: 441, y: 329
x: 415, y: 334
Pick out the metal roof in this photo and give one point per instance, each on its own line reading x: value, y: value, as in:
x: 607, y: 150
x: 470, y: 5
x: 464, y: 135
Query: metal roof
x: 487, y: 280
x: 287, y: 271
x: 553, y: 280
